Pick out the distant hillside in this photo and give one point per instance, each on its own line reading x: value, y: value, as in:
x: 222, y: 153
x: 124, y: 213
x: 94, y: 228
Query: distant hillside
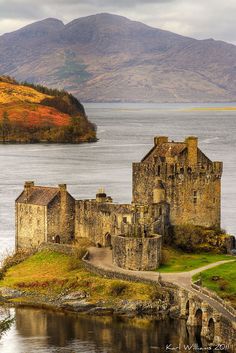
x: 110, y: 58
x: 30, y: 114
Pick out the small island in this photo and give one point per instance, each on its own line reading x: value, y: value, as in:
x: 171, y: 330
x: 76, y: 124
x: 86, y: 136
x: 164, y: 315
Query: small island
x: 36, y: 114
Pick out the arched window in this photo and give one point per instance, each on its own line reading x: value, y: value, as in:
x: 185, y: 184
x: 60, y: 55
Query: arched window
x: 57, y: 239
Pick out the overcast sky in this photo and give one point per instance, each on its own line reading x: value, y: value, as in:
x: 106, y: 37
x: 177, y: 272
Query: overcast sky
x: 196, y: 18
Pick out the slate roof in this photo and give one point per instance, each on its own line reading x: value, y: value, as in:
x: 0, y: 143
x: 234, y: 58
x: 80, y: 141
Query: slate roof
x: 166, y: 149
x: 38, y: 195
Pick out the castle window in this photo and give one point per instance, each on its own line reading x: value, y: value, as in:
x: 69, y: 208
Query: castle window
x: 125, y: 219
x: 38, y: 223
x: 159, y: 170
x: 160, y: 211
x: 195, y: 197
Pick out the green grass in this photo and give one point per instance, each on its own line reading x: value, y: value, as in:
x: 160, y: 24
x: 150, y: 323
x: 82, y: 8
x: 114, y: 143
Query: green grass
x: 50, y: 273
x: 222, y: 280
x: 178, y: 261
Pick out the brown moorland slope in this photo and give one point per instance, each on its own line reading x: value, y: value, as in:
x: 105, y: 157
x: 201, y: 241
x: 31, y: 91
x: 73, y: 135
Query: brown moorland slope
x: 30, y: 114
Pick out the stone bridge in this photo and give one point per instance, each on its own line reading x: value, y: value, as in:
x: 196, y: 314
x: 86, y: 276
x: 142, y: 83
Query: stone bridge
x: 214, y: 326
x: 215, y: 321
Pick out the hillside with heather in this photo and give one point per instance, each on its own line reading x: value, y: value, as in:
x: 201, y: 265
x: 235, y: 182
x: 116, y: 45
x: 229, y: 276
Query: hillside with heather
x: 109, y: 58
x: 32, y: 113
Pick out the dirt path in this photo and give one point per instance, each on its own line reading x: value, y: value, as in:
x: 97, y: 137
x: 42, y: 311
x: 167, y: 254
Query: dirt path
x: 102, y: 258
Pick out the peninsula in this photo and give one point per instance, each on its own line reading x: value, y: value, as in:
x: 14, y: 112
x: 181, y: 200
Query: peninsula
x: 33, y: 113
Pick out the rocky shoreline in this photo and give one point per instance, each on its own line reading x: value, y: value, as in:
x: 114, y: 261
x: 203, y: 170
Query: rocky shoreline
x: 78, y: 302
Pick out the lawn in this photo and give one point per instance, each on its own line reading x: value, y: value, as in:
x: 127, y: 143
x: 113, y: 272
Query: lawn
x: 222, y: 280
x: 179, y: 261
x: 50, y: 273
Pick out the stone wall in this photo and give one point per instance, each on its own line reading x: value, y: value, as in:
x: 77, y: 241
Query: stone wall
x: 30, y: 225
x: 95, y: 220
x: 60, y: 218
x: 193, y: 192
x: 137, y: 253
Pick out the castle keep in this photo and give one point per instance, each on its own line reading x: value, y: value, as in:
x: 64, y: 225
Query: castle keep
x: 175, y: 183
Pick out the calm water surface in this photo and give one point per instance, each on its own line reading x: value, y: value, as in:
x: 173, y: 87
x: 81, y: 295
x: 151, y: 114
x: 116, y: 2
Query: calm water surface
x: 49, y: 332
x: 126, y: 133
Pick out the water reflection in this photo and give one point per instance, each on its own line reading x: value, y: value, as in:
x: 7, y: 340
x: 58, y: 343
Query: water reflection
x: 45, y: 331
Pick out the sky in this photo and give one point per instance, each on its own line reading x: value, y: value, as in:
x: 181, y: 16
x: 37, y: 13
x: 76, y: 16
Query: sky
x: 199, y: 19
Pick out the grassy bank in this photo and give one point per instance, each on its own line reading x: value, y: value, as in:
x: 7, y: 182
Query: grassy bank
x: 179, y: 261
x: 222, y: 280
x: 52, y: 274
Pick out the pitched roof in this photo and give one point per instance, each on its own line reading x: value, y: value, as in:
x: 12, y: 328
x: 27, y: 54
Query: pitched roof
x: 38, y: 195
x: 166, y: 149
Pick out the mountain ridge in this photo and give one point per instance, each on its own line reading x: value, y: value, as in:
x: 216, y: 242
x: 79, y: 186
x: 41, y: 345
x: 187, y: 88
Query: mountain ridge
x: 109, y: 58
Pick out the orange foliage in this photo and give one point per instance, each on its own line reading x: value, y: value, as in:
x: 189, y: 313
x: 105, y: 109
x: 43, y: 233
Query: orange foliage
x: 32, y: 115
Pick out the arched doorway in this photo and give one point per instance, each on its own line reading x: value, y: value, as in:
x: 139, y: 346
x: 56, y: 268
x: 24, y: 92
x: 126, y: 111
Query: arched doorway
x: 198, y: 318
x: 211, y: 329
x: 107, y: 240
x: 57, y: 239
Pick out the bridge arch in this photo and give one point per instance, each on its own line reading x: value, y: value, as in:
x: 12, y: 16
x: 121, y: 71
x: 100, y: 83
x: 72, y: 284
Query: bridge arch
x: 198, y: 317
x: 211, y: 329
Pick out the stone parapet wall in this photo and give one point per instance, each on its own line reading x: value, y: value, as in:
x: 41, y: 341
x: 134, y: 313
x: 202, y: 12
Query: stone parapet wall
x: 214, y: 296
x: 131, y: 253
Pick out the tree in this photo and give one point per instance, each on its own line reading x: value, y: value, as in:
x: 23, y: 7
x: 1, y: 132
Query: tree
x: 5, y: 126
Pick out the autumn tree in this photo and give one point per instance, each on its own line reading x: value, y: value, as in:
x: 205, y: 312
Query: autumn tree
x: 5, y: 126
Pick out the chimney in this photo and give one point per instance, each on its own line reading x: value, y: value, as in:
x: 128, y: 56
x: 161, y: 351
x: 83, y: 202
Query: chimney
x: 192, y: 146
x: 28, y: 185
x: 159, y: 140
x: 62, y: 187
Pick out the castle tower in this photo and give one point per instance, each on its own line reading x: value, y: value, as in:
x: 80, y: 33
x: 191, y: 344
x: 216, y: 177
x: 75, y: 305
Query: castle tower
x: 180, y: 174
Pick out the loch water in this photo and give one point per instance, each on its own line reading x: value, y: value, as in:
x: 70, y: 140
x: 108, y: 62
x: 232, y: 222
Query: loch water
x: 41, y: 331
x: 125, y: 133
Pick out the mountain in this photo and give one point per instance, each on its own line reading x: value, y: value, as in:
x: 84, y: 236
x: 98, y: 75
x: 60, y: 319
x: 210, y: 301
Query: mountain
x: 30, y: 114
x: 106, y: 57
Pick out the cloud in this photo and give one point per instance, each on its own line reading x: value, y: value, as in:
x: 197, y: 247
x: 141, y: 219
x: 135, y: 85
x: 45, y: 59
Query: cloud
x: 199, y: 19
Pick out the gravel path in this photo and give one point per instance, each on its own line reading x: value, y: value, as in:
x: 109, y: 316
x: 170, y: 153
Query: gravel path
x: 102, y: 257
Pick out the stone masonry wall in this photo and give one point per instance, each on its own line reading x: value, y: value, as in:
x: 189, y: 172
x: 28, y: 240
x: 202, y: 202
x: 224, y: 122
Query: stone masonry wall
x: 95, y: 220
x: 136, y: 253
x: 193, y: 193
x: 30, y: 225
x: 60, y: 221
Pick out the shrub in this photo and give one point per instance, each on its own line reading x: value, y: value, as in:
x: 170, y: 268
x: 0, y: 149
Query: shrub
x: 165, y: 257
x: 193, y: 238
x: 14, y: 258
x: 157, y: 293
x: 118, y: 288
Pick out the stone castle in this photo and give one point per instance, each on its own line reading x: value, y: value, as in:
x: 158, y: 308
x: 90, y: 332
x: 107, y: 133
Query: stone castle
x: 174, y: 184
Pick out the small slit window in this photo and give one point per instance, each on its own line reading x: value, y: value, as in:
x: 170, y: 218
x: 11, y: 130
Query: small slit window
x: 159, y: 170
x: 195, y: 197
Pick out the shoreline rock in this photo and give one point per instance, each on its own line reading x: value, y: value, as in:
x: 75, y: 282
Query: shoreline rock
x: 78, y: 302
